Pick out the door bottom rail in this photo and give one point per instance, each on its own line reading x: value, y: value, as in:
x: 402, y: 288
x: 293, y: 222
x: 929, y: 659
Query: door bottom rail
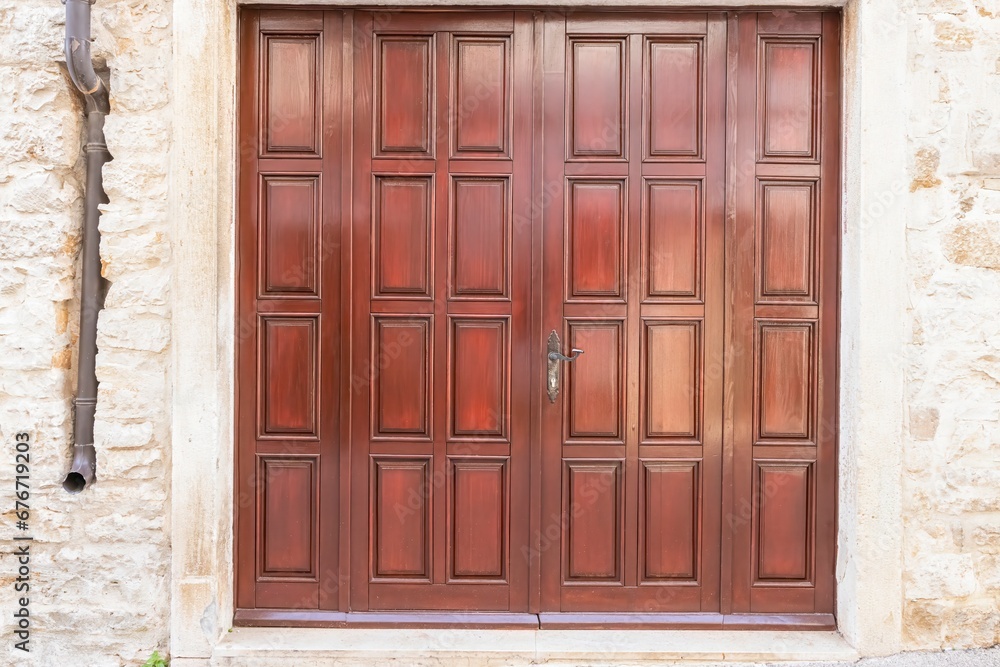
x: 526, y: 621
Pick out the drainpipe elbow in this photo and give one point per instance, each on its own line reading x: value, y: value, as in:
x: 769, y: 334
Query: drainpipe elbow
x: 78, y: 56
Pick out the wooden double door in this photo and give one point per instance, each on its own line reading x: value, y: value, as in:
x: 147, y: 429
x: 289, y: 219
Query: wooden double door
x: 438, y: 212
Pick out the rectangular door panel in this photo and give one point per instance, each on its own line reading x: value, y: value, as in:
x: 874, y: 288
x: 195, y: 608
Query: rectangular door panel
x: 787, y: 242
x: 288, y: 377
x: 594, y: 383
x: 480, y: 238
x: 787, y: 383
x: 673, y: 239
x: 669, y: 542
x: 784, y: 523
x: 593, y: 509
x: 290, y: 235
x: 478, y: 519
x: 403, y: 230
x: 481, y: 91
x: 596, y: 236
x: 597, y: 72
x: 292, y: 95
x: 287, y: 510
x: 401, y: 382
x: 479, y: 381
x: 405, y: 90
x: 671, y: 391
x: 401, y: 522
x: 674, y: 114
x: 789, y: 74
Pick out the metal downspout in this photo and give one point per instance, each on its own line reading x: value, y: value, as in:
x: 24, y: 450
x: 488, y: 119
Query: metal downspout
x: 95, y: 94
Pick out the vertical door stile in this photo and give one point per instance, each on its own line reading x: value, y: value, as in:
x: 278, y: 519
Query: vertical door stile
x: 741, y: 316
x: 331, y: 260
x: 444, y: 209
x: 345, y: 101
x: 829, y: 285
x: 522, y: 312
x: 713, y: 526
x: 550, y: 536
x: 743, y: 311
x: 634, y: 130
x: 246, y: 324
x: 362, y: 368
x: 536, y: 364
x: 734, y: 23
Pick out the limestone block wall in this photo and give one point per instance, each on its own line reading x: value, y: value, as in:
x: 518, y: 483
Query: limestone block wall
x: 951, y: 479
x: 101, y: 560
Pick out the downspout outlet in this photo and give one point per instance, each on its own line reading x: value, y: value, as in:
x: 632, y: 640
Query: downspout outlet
x: 82, y: 470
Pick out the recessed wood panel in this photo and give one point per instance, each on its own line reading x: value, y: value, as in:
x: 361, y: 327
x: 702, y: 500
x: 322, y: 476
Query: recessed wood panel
x: 786, y: 380
x: 478, y: 391
x: 480, y: 237
x: 290, y: 112
x: 594, y: 381
x: 401, y: 500
x: 288, y: 384
x: 674, y: 105
x: 593, y: 511
x: 669, y: 509
x: 671, y: 396
x: 401, y: 377
x: 286, y: 511
x: 403, y: 113
x: 478, y: 511
x: 596, y: 101
x: 786, y: 240
x: 784, y: 527
x: 481, y: 94
x: 595, y: 233
x: 673, y: 241
x: 402, y: 229
x: 789, y: 79
x: 289, y: 239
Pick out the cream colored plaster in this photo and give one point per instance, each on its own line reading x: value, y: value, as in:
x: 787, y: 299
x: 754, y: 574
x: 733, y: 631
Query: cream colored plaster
x: 147, y: 552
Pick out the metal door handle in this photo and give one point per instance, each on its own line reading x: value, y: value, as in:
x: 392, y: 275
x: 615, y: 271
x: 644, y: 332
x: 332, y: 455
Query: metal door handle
x: 554, y: 357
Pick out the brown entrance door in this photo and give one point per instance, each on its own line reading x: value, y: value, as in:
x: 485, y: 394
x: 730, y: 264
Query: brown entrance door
x: 442, y: 297
x: 432, y: 202
x: 633, y: 275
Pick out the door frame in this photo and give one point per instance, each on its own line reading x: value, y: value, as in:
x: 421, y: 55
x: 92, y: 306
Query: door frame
x: 203, y: 210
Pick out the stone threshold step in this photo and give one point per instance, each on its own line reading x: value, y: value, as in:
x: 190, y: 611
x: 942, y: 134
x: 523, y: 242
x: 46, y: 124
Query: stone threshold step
x: 328, y: 647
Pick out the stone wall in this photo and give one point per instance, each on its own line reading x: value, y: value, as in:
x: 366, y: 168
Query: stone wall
x: 951, y: 486
x: 101, y: 559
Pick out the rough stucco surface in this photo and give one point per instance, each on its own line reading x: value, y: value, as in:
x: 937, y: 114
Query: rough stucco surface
x: 100, y: 580
x: 100, y: 560
x: 951, y: 481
